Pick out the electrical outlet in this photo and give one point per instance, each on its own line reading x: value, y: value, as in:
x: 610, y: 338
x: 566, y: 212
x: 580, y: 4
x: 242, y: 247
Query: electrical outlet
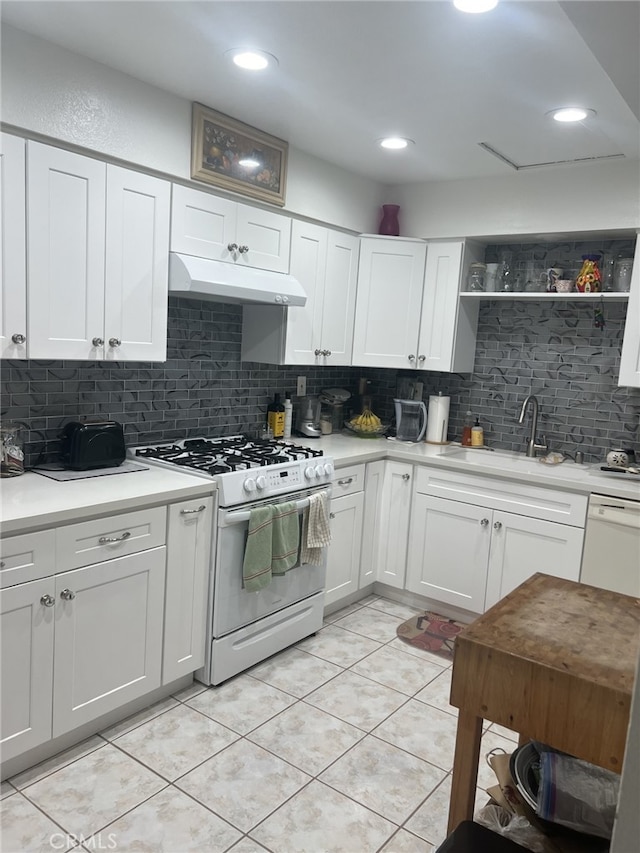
x: 301, y: 387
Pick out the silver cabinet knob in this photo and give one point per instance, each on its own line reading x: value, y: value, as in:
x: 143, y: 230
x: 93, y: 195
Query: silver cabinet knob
x: 2, y: 564
x: 105, y: 540
x: 243, y: 249
x: 484, y: 522
x: 47, y: 600
x: 421, y: 357
x: 497, y: 525
x: 67, y: 595
x: 114, y: 342
x: 98, y: 342
x: 318, y: 352
x: 201, y: 508
x: 18, y: 339
x: 332, y: 515
x: 411, y: 357
x: 326, y: 352
x: 232, y: 247
x: 406, y: 477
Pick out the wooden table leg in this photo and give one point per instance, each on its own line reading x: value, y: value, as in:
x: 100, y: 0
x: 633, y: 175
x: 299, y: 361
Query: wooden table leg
x: 465, y: 769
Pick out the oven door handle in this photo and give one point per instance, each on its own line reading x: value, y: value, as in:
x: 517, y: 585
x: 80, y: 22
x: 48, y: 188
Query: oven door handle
x: 240, y: 517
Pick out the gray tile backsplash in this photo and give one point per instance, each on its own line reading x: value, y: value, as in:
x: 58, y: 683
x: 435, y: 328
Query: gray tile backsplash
x: 551, y: 349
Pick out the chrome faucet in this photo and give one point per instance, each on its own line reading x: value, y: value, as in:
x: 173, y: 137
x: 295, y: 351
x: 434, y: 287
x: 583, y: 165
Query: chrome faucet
x: 532, y: 447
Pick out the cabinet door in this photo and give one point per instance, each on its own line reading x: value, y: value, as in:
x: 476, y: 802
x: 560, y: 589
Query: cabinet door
x: 372, y: 523
x: 264, y: 239
x: 308, y: 265
x: 522, y: 546
x: 202, y: 224
x: 26, y: 649
x: 108, y: 646
x: 187, y: 589
x: 339, y: 304
x: 447, y: 325
x: 137, y: 262
x: 13, y: 250
x: 395, y: 511
x: 66, y: 253
x: 343, y: 556
x: 630, y: 359
x: 388, y: 302
x: 449, y: 551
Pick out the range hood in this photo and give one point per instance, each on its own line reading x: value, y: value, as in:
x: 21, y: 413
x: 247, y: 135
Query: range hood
x: 201, y: 278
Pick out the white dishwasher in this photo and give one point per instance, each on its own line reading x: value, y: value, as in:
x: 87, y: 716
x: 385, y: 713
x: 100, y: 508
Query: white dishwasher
x: 611, y: 556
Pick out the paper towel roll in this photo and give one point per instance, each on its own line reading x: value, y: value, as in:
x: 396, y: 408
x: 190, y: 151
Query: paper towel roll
x: 438, y: 419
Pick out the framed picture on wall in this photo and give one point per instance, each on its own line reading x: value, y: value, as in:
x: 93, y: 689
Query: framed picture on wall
x: 236, y: 157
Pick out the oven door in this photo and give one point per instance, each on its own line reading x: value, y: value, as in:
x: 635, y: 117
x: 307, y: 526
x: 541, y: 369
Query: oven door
x: 233, y: 606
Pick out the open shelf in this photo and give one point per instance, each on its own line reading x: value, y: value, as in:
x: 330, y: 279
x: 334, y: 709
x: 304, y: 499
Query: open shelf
x: 542, y: 297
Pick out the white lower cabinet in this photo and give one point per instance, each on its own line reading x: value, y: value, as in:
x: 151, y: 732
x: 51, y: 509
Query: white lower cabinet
x: 108, y: 636
x: 346, y: 516
x: 373, y: 482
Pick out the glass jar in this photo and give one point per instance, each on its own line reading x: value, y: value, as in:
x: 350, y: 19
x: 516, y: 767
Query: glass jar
x: 326, y: 424
x: 11, y: 451
x: 622, y: 274
x: 475, y: 282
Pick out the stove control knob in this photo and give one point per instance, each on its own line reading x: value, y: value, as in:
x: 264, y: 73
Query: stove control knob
x: 249, y: 485
x: 328, y: 468
x: 261, y: 482
x: 319, y: 470
x: 310, y: 473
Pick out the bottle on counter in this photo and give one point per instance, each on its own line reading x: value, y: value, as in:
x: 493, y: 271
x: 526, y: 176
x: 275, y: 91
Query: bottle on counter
x: 477, y: 434
x: 275, y: 417
x: 466, y: 430
x: 288, y: 415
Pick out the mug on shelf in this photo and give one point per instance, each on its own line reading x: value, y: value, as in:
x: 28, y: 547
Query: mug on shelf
x: 554, y: 274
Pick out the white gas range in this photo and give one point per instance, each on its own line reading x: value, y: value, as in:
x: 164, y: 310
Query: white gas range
x: 245, y: 627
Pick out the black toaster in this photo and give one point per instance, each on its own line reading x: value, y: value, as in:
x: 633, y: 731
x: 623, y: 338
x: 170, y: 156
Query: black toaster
x: 92, y: 444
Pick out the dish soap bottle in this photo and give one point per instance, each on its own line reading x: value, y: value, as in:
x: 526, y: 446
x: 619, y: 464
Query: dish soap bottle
x: 466, y: 431
x: 275, y: 417
x: 477, y: 434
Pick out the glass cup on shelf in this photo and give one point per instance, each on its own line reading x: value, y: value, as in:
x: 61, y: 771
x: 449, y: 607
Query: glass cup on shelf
x: 622, y: 274
x: 475, y: 281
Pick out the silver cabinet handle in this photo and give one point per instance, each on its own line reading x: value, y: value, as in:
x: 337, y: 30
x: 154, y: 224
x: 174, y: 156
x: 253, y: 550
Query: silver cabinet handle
x: 421, y: 357
x: 18, y: 339
x: 47, y: 600
x: 345, y: 482
x: 201, y: 508
x: 67, y: 595
x: 243, y: 249
x: 114, y: 342
x: 497, y: 525
x: 232, y: 247
x: 484, y: 522
x: 406, y: 477
x: 105, y: 540
x: 332, y: 515
x: 411, y: 357
x: 98, y: 342
x: 317, y: 352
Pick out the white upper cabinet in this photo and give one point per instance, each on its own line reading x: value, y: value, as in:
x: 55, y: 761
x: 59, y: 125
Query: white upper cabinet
x: 13, y: 252
x: 207, y: 226
x: 388, y: 303
x: 321, y: 333
x: 97, y: 241
x: 630, y: 360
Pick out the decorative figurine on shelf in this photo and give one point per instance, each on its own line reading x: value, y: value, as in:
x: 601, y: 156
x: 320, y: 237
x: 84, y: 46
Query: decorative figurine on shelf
x: 589, y: 278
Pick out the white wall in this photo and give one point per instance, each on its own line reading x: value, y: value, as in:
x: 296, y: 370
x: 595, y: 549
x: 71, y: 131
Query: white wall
x: 51, y: 91
x: 583, y: 197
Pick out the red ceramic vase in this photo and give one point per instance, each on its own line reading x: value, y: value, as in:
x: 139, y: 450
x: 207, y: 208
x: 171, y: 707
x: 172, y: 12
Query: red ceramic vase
x: 389, y: 223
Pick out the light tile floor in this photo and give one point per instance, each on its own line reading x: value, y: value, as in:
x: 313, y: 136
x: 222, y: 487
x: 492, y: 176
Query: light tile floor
x: 341, y: 743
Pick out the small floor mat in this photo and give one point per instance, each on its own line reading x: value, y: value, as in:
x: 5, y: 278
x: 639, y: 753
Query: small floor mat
x: 431, y: 632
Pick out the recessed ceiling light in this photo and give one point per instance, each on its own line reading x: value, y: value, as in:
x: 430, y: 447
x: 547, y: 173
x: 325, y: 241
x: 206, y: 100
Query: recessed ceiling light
x: 394, y: 143
x: 475, y: 6
x: 569, y: 114
x: 252, y: 60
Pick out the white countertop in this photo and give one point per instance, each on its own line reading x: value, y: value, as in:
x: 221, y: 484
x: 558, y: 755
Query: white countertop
x: 32, y: 501
x: 566, y: 476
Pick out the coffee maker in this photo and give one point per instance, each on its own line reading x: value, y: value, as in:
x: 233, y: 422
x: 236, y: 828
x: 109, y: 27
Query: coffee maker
x: 308, y: 420
x: 411, y: 420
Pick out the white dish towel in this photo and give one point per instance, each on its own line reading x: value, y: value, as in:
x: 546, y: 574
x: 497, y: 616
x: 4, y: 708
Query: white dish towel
x: 316, y: 531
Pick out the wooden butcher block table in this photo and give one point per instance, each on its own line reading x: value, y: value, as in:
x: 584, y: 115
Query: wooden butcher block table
x: 555, y: 661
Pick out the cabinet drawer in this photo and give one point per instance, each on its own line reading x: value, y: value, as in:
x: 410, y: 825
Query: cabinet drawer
x: 520, y: 498
x: 106, y: 538
x: 347, y: 481
x: 27, y: 557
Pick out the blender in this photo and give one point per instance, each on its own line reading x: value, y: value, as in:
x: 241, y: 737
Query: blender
x: 308, y: 420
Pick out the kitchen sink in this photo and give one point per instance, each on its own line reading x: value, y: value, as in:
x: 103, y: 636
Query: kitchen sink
x: 512, y: 460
